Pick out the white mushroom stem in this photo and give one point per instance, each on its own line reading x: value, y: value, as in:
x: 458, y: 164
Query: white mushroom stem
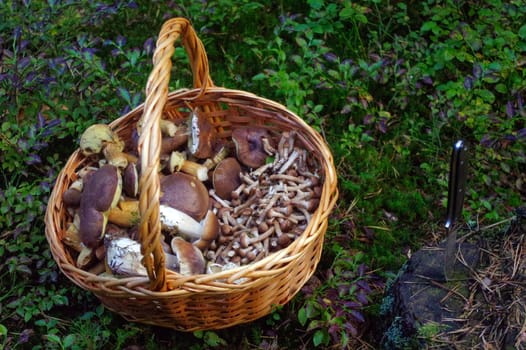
x: 262, y: 169
x: 267, y: 147
x: 269, y: 205
x: 224, y: 203
x: 292, y: 158
x: 86, y: 255
x: 246, y: 179
x: 210, y: 163
x: 244, y: 205
x: 246, y: 241
x: 77, y: 185
x: 237, y: 192
x: 174, y: 219
x: 178, y: 162
x: 168, y: 128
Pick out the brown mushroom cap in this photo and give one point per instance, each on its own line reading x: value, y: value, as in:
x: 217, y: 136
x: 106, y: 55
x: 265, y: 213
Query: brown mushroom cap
x: 249, y: 145
x: 96, y: 136
x: 191, y: 260
x: 101, y: 192
x: 210, y: 231
x: 185, y: 193
x: 71, y: 197
x: 130, y: 180
x: 226, y: 178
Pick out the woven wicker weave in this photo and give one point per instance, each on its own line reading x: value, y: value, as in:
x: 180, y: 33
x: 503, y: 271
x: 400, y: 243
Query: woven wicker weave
x: 207, y: 301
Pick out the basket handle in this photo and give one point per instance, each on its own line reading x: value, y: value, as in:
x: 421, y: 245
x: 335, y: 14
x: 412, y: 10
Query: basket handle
x: 150, y: 136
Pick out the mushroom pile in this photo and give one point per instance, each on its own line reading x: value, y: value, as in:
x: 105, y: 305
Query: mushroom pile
x: 224, y: 202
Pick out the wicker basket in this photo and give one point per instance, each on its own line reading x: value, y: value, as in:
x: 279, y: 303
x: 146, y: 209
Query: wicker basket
x: 205, y: 301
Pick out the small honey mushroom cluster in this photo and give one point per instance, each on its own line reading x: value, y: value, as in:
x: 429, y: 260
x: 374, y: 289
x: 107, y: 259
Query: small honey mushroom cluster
x: 271, y: 206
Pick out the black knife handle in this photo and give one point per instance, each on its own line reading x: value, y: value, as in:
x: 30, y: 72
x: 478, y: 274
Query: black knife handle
x: 457, y: 183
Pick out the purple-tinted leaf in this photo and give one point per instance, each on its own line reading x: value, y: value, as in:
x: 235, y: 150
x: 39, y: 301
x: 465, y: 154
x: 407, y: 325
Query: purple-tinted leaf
x: 509, y: 137
x: 149, y: 46
x: 17, y: 33
x: 357, y: 316
x: 330, y: 57
x: 362, y: 298
x: 382, y: 125
x: 31, y: 76
x: 401, y: 71
x: 133, y: 5
x: 369, y: 232
x: 332, y: 294
x: 346, y: 109
x: 427, y: 80
x: 352, y: 305
x: 521, y: 133
x: 47, y: 81
x: 368, y: 119
x: 29, y: 199
x: 333, y: 329
x: 121, y: 40
x: 362, y: 269
x: 89, y: 52
x: 468, y: 82
x: 23, y: 145
x: 347, y: 61
x: 349, y: 327
x: 25, y: 335
x: 41, y: 121
x: 23, y: 63
x: 39, y: 144
x: 33, y: 159
x: 477, y: 70
x: 343, y: 290
x: 126, y: 109
x: 362, y: 284
x: 364, y: 102
x: 52, y: 123
x: 520, y: 103
x: 307, y: 289
x: 510, y: 110
x: 45, y: 186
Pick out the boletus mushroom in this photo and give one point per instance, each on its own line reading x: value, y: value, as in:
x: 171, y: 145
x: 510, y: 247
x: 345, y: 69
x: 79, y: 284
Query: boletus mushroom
x: 202, y: 137
x: 101, y: 192
x: 130, y: 180
x: 202, y: 233
x: 225, y: 177
x: 178, y: 162
x: 253, y: 145
x: 185, y: 193
x: 99, y: 138
x: 123, y: 256
x: 191, y: 260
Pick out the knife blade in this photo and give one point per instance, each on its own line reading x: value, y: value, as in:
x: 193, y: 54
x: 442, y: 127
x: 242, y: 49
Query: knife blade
x: 455, y: 201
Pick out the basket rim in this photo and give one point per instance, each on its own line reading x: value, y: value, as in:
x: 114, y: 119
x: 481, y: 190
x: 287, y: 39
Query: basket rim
x: 266, y: 264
